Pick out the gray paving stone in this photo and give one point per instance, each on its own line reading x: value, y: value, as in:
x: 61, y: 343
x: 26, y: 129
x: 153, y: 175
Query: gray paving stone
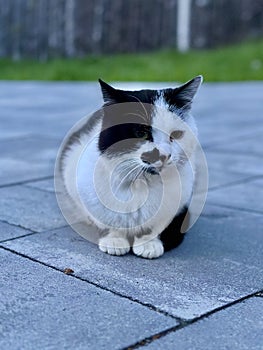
x: 246, y: 195
x: 53, y: 123
x: 251, y: 145
x: 44, y: 108
x: 9, y: 231
x: 30, y: 208
x: 234, y: 163
x: 219, y: 262
x: 226, y: 168
x: 240, y: 327
x: 45, y: 309
x: 19, y: 170
x: 219, y: 178
x: 213, y: 211
x: 217, y: 134
x: 32, y: 148
x: 223, y: 116
x: 27, y: 158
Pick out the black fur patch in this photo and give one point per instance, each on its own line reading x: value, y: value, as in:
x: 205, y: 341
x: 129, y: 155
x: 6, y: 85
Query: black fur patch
x: 127, y: 119
x: 182, y: 97
x: 113, y: 96
x: 172, y: 236
x: 123, y: 138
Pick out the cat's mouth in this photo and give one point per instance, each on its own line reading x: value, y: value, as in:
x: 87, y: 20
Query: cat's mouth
x: 152, y: 170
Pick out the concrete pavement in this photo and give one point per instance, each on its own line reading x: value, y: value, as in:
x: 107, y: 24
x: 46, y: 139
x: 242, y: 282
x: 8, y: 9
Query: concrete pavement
x: 205, y: 294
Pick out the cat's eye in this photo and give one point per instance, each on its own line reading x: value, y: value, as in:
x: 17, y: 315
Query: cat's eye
x: 176, y: 135
x: 142, y: 133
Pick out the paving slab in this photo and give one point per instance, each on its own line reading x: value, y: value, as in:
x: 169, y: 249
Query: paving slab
x: 30, y: 208
x: 223, y: 177
x: 226, y: 168
x: 32, y: 148
x: 235, y: 163
x: 219, y: 261
x: 213, y: 134
x: 27, y: 158
x: 250, y: 145
x: 227, y: 112
x: 247, y: 195
x: 239, y: 327
x: 45, y: 108
x: 8, y: 231
x: 47, y: 309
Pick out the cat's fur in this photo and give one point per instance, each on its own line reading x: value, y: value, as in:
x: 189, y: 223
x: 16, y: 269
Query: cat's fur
x: 129, y: 170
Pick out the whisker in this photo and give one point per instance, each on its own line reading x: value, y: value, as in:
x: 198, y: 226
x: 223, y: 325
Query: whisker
x: 130, y: 163
x: 139, y: 173
x: 140, y: 102
x: 125, y: 177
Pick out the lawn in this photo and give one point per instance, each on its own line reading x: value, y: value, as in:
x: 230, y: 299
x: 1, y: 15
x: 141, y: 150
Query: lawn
x: 236, y: 63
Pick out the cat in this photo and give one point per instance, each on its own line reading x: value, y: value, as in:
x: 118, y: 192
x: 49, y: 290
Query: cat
x: 129, y: 169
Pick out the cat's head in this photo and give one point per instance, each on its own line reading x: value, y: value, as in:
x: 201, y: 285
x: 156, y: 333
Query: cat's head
x: 153, y: 128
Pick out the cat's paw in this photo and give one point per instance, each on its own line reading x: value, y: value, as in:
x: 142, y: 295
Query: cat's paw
x: 114, y: 245
x: 149, y: 250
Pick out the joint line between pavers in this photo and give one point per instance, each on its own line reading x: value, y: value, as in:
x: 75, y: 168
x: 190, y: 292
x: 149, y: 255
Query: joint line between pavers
x: 27, y: 234
x: 237, y: 182
x: 17, y: 225
x: 27, y: 185
x: 18, y: 237
x: 185, y: 323
x: 48, y: 177
x: 247, y: 210
x: 149, y: 306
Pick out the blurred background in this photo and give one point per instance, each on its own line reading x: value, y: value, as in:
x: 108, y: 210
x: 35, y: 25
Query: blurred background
x: 145, y: 40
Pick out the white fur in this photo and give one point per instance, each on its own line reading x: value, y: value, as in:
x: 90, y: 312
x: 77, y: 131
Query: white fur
x: 148, y: 249
x: 114, y: 244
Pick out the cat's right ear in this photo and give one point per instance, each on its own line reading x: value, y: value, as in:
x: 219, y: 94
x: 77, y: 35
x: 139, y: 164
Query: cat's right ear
x: 110, y: 95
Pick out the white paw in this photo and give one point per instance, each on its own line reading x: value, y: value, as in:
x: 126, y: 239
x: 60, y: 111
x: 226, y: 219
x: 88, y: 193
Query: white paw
x: 150, y: 250
x: 114, y: 245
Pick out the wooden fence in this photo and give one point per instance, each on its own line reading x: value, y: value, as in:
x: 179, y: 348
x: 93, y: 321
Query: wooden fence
x: 66, y: 28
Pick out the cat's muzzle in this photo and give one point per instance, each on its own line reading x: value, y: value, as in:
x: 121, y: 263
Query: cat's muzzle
x: 155, y: 161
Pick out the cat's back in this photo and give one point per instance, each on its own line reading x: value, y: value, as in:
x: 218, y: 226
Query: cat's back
x: 82, y: 134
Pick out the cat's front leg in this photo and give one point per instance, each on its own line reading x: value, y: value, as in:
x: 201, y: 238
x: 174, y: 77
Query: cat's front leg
x: 115, y: 243
x: 148, y: 246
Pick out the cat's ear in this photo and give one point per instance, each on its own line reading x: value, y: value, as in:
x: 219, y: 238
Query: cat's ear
x: 110, y: 95
x: 184, y: 94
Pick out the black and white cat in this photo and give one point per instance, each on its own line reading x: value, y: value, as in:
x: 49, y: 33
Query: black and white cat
x: 129, y: 169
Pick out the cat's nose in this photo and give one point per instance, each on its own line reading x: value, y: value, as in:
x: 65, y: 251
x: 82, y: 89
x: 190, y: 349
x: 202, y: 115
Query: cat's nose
x: 151, y: 157
x: 155, y: 156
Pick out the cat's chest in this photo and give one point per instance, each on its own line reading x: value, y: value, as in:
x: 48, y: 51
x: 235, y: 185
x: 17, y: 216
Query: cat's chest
x: 134, y: 205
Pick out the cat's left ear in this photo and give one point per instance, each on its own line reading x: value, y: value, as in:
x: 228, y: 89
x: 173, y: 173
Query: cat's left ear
x: 184, y: 94
x: 111, y: 95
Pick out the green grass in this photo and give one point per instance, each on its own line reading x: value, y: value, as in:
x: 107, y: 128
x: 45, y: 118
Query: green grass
x: 236, y: 63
